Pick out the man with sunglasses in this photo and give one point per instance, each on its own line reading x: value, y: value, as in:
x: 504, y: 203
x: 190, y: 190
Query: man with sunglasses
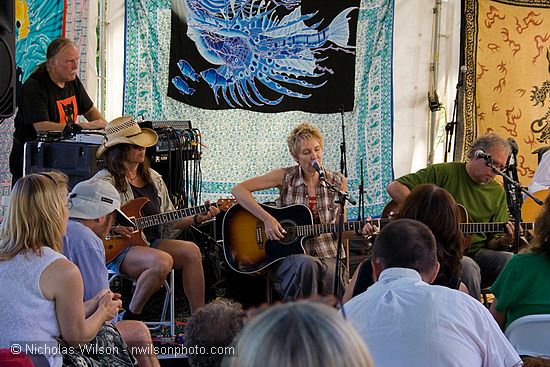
x: 473, y: 186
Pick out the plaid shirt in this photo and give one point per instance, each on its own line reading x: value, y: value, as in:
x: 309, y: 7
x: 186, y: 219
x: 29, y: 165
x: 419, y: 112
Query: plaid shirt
x: 294, y: 191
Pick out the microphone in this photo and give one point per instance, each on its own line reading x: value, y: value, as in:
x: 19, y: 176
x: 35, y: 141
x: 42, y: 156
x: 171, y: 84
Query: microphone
x: 481, y: 154
x: 463, y: 70
x: 318, y: 168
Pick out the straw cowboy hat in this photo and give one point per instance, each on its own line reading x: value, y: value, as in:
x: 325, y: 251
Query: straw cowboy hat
x: 125, y: 130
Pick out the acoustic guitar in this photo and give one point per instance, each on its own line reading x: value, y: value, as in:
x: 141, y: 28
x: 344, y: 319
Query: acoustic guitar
x: 531, y: 210
x: 115, y: 244
x: 392, y: 209
x: 247, y: 249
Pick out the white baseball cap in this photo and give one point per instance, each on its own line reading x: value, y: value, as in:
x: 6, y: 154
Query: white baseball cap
x: 94, y: 198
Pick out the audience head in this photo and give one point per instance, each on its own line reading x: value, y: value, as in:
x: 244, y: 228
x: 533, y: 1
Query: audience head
x: 303, y: 333
x: 406, y: 243
x: 542, y: 230
x: 303, y: 132
x: 536, y: 362
x: 436, y: 208
x: 98, y: 203
x: 36, y: 216
x: 214, y: 325
x: 61, y: 180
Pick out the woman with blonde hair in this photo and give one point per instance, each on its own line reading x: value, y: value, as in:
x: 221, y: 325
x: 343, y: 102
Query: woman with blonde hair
x: 41, y: 291
x: 313, y: 272
x: 303, y: 333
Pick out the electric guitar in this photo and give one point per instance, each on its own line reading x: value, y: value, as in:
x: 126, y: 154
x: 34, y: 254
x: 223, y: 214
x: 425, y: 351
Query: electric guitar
x: 247, y: 249
x: 115, y: 244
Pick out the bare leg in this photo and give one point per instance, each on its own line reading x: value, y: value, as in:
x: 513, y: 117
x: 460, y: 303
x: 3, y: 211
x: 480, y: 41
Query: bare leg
x: 150, y: 267
x: 187, y: 258
x: 137, y: 336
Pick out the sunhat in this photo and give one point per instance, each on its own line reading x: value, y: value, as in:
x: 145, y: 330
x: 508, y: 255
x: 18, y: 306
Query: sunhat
x: 125, y: 130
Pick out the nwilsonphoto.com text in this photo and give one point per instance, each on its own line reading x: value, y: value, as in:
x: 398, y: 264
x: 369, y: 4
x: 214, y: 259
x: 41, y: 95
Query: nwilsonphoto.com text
x: 49, y: 348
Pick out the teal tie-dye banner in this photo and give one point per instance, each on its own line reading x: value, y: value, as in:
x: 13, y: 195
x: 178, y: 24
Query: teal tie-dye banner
x: 38, y: 22
x: 241, y: 144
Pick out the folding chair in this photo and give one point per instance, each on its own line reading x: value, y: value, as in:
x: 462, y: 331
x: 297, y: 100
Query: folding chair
x: 169, y: 302
x: 530, y: 335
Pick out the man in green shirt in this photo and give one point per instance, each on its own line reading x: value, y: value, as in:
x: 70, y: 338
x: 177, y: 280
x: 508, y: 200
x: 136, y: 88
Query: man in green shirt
x: 473, y: 186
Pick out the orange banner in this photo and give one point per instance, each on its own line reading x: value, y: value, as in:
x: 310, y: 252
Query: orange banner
x: 508, y: 77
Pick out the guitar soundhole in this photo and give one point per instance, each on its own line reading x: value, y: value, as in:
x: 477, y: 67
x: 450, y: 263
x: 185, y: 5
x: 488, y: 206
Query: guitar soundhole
x: 290, y: 236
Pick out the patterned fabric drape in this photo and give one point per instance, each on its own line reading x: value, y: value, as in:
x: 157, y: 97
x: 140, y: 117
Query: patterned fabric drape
x: 508, y: 77
x: 264, y: 56
x: 241, y: 144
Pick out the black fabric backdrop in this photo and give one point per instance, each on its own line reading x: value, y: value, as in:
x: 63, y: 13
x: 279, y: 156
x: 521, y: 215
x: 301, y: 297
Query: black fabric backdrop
x: 337, y: 92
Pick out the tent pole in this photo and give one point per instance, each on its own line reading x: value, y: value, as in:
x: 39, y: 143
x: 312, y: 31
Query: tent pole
x: 433, y: 98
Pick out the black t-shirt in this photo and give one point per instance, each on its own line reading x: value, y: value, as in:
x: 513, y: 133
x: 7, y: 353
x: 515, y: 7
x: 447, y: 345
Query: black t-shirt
x: 43, y: 100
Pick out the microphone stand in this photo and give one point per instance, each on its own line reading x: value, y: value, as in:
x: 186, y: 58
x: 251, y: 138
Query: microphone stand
x: 342, y: 198
x: 361, y: 209
x: 343, y: 160
x: 517, y: 209
x: 450, y: 127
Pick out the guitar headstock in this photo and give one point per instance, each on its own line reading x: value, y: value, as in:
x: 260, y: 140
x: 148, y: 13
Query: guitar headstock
x: 225, y: 204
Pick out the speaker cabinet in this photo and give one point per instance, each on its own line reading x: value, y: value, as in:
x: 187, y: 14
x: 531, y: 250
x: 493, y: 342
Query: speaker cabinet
x: 7, y: 58
x: 77, y: 160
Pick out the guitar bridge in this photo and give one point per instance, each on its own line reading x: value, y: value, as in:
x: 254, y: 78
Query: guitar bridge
x: 260, y: 235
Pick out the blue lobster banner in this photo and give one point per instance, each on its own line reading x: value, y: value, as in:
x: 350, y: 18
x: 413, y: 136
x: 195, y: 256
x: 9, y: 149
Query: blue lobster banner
x: 266, y: 56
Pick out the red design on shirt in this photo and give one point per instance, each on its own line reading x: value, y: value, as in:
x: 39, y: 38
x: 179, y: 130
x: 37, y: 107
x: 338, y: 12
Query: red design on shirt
x: 68, y: 110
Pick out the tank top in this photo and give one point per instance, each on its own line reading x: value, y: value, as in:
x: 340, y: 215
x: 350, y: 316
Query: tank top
x: 26, y: 314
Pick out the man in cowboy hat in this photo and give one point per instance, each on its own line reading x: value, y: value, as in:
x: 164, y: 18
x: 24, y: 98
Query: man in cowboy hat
x: 94, y: 205
x: 127, y: 169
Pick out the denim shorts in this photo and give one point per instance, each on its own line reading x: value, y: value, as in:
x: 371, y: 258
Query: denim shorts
x: 114, y: 265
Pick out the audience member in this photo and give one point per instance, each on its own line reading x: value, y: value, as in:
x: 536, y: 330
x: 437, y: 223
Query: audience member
x: 213, y: 327
x: 523, y: 287
x: 405, y: 321
x: 536, y: 362
x: 36, y: 276
x: 93, y: 207
x: 303, y: 333
x: 436, y: 208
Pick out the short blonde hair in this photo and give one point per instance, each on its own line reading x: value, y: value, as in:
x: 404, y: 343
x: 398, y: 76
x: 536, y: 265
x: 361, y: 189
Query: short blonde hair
x: 36, y: 217
x: 303, y: 333
x: 302, y: 132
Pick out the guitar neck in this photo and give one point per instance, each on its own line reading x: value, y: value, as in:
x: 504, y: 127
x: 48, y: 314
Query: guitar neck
x: 356, y: 226
x: 156, y: 219
x: 496, y: 227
